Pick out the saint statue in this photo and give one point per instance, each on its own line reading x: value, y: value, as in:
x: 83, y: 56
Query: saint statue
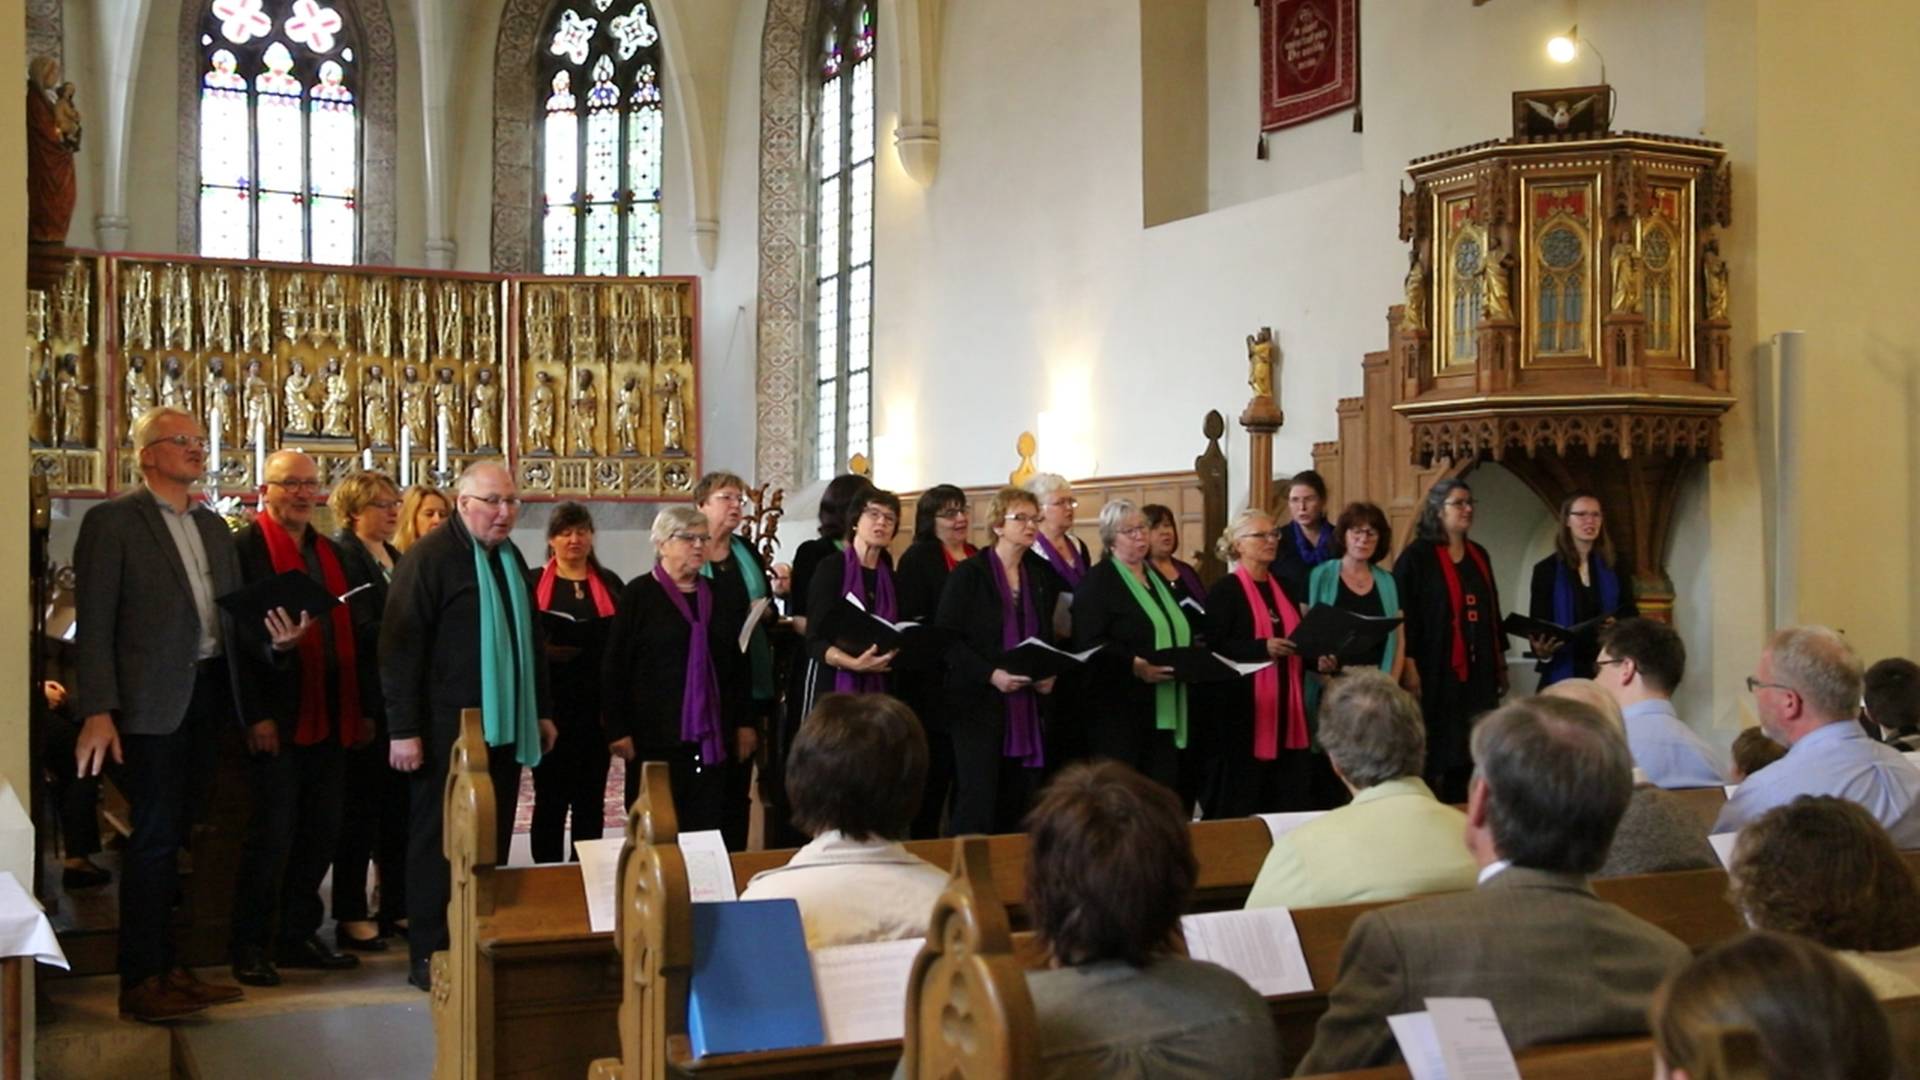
x: 1714, y: 269
x: 446, y: 406
x: 414, y: 414
x: 483, y: 411
x: 1497, y: 304
x: 540, y: 414
x: 220, y: 399
x: 256, y: 402
x: 140, y: 396
x: 173, y: 385
x: 586, y: 413
x: 53, y: 135
x: 336, y: 406
x: 377, y: 425
x: 1413, y: 317
x: 1260, y: 362
x: 73, y: 402
x: 672, y: 416
x: 1625, y: 260
x: 630, y: 415
x: 297, y: 410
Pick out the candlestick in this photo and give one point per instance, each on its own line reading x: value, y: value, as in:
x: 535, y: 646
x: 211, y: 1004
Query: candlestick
x: 259, y: 452
x: 440, y: 450
x: 406, y: 456
x: 213, y: 454
x: 366, y: 460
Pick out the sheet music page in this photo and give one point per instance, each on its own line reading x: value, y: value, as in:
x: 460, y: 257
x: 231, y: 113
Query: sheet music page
x: 1247, y: 668
x: 863, y: 989
x: 754, y: 614
x: 600, y: 876
x: 1730, y: 789
x: 1261, y: 946
x: 1470, y: 1039
x: 1419, y: 1045
x: 1279, y: 825
x: 709, y: 873
x: 1723, y: 846
x: 1052, y: 648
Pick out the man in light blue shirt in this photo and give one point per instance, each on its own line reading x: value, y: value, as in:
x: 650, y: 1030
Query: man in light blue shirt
x: 1640, y: 665
x: 1807, y: 691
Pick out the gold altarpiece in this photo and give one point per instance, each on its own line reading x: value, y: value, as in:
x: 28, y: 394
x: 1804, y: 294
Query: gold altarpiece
x: 588, y: 387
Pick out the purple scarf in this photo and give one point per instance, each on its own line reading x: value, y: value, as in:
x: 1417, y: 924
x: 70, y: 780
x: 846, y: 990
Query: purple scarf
x: 881, y: 603
x: 1072, y: 572
x: 1317, y: 553
x: 1190, y: 580
x: 700, y: 701
x: 1017, y: 624
x: 1608, y: 585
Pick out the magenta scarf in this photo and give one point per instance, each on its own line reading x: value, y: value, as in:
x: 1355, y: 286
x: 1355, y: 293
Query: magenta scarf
x: 602, y: 599
x: 881, y: 603
x: 700, y: 699
x: 1072, y: 572
x: 1018, y: 622
x: 1266, y: 681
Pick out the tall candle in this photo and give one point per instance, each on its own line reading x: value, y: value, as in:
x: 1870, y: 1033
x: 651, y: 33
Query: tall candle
x: 440, y: 451
x: 259, y: 451
x: 213, y: 455
x: 366, y: 459
x: 406, y: 456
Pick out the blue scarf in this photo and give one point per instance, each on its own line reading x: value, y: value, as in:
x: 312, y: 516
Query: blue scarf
x: 1317, y: 553
x: 1608, y: 584
x: 508, y: 702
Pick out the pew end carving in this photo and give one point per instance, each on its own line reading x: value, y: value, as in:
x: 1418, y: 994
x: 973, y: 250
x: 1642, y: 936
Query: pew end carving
x: 654, y: 933
x: 968, y: 1010
x: 461, y: 1048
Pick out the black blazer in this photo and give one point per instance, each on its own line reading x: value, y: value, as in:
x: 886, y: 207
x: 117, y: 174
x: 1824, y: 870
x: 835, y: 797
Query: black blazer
x: 970, y: 611
x: 644, y: 674
x: 1229, y: 632
x: 1105, y: 613
x: 1586, y: 605
x: 279, y: 674
x: 366, y: 607
x: 576, y: 682
x: 138, y: 631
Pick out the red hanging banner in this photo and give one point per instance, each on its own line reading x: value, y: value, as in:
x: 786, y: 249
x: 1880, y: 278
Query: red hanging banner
x: 1309, y: 60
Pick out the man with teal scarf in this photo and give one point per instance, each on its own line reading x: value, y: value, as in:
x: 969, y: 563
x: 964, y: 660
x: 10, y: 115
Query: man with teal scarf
x: 459, y: 633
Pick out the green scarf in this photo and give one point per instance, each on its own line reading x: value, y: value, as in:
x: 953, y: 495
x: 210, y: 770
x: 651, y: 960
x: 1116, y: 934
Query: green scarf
x: 1169, y: 698
x: 759, y: 648
x: 507, y: 687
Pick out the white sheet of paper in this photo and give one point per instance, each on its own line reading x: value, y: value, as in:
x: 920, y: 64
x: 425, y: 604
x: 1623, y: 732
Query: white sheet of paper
x: 1190, y: 602
x: 1723, y: 846
x: 1261, y: 946
x: 1470, y: 1039
x: 1279, y: 825
x: 754, y: 613
x: 600, y: 876
x: 863, y: 989
x: 1730, y: 789
x: 709, y: 873
x: 1247, y: 668
x: 1419, y: 1045
x: 1051, y: 647
x: 1913, y: 756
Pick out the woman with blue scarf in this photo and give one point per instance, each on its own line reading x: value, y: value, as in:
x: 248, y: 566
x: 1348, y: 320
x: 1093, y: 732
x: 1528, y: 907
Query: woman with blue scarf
x: 1577, y: 583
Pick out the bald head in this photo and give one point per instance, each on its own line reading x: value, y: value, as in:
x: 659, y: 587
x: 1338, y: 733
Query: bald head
x: 291, y: 489
x: 489, y: 501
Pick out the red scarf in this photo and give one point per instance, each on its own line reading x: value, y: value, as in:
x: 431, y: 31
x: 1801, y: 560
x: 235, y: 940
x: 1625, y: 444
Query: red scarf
x: 314, y: 725
x: 1456, y: 597
x: 951, y: 561
x: 1266, y: 681
x: 543, y: 592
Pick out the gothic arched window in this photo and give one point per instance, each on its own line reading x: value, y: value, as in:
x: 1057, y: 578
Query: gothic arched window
x: 280, y: 132
x: 602, y: 134
x: 843, y: 176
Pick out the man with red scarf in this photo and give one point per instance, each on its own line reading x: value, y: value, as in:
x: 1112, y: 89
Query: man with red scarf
x: 314, y: 712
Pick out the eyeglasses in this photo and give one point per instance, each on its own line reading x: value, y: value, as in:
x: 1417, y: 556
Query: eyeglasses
x: 382, y: 504
x: 880, y: 515
x: 495, y: 502
x: 949, y: 515
x: 693, y: 538
x: 1463, y: 503
x: 1136, y: 530
x: 1622, y: 660
x: 1754, y: 686
x: 1583, y: 513
x: 728, y: 497
x: 1358, y: 530
x: 1024, y: 519
x: 197, y: 442
x: 296, y: 485
x: 1068, y: 503
x: 1270, y: 534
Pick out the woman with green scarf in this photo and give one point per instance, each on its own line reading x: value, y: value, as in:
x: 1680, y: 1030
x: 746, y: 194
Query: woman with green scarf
x: 1139, y: 713
x: 739, y: 581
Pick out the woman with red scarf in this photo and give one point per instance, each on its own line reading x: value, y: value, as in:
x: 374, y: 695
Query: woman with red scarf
x: 940, y: 528
x: 1258, y: 744
x: 576, y: 595
x: 1452, y: 632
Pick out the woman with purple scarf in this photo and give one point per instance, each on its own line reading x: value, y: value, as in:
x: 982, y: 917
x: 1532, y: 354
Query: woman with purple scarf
x: 674, y: 683
x: 863, y: 572
x: 992, y: 602
x: 1575, y: 584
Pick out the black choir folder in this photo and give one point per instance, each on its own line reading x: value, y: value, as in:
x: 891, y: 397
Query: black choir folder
x: 1525, y: 626
x: 853, y: 630
x: 1199, y: 664
x: 752, y: 983
x: 1038, y: 660
x: 294, y: 590
x: 1345, y: 635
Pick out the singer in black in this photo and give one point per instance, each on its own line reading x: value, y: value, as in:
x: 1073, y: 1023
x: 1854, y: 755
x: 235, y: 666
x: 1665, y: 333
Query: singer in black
x: 940, y: 525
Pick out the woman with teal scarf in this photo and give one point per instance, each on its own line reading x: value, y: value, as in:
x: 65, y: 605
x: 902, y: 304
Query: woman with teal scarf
x: 1356, y: 582
x: 1139, y: 713
x: 739, y: 581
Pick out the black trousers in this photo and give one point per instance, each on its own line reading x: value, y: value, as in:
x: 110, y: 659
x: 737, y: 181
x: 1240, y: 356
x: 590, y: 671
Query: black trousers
x: 373, y: 830
x: 939, y: 786
x: 293, y: 830
x: 991, y: 792
x: 161, y: 776
x: 570, y: 777
x: 76, y: 800
x: 429, y: 877
x: 701, y: 794
x: 1133, y: 737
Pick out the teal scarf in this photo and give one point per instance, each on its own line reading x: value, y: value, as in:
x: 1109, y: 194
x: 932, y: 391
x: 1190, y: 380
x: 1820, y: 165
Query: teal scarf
x: 1324, y: 588
x: 1169, y: 629
x: 759, y: 648
x: 507, y: 687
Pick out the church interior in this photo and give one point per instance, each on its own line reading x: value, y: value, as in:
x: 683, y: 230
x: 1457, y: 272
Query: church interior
x: 1173, y: 251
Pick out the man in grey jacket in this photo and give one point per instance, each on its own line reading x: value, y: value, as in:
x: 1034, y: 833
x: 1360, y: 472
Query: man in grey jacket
x: 156, y: 687
x: 1551, y: 781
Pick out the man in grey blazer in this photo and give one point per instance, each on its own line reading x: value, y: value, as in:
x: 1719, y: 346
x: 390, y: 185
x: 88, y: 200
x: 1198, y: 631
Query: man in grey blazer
x: 155, y: 687
x: 1551, y: 782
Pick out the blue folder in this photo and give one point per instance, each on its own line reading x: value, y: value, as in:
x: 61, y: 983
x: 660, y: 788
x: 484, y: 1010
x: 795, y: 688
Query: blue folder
x: 752, y: 984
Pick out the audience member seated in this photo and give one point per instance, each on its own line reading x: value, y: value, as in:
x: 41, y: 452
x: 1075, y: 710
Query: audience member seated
x: 1753, y: 751
x: 1822, y: 868
x: 1769, y: 1006
x: 1657, y: 833
x: 1110, y: 871
x: 1641, y: 663
x: 1558, y: 963
x: 1892, y: 701
x: 854, y: 778
x: 1806, y: 689
x: 1395, y: 839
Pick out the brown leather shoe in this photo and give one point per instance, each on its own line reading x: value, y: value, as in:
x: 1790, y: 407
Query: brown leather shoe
x: 185, y: 981
x: 156, y: 999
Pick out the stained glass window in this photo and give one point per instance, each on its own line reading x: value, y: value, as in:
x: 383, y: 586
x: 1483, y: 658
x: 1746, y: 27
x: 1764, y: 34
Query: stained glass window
x: 602, y: 138
x: 843, y: 248
x: 279, y: 132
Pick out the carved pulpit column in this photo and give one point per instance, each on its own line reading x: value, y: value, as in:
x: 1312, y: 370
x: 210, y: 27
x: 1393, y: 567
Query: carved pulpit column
x: 1262, y: 417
